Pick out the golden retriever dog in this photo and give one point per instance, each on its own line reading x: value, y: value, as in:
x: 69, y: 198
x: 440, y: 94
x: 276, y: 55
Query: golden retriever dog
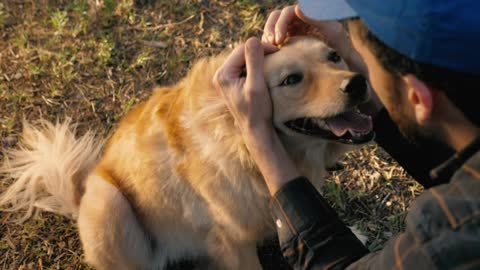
x: 175, y: 180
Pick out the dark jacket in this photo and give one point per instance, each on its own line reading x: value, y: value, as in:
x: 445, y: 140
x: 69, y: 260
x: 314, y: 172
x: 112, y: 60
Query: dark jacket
x: 442, y: 228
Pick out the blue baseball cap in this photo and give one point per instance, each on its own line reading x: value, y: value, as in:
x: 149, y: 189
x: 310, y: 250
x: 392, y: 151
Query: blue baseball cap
x: 444, y: 33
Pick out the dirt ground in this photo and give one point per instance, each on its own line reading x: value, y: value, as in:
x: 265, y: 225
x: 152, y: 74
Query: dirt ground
x: 92, y: 60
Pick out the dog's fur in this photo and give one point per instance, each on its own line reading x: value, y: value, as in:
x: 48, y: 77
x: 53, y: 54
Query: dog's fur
x: 175, y: 180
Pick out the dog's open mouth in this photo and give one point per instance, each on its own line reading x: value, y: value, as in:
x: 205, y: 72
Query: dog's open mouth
x: 350, y: 127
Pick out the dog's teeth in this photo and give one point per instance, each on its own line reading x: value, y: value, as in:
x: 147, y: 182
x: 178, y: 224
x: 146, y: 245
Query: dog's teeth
x: 321, y: 123
x: 305, y: 121
x: 354, y: 133
x: 358, y: 134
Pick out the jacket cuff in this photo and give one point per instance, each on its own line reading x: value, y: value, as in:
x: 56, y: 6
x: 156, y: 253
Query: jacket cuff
x: 298, y: 205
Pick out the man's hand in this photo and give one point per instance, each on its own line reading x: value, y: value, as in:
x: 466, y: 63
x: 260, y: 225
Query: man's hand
x: 290, y: 21
x: 247, y: 97
x: 249, y: 101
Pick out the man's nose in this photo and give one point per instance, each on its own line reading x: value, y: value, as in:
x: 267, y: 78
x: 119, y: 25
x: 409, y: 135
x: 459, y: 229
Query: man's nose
x: 355, y: 87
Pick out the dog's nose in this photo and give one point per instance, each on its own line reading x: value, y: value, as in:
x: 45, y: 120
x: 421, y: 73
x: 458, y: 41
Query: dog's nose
x: 355, y: 87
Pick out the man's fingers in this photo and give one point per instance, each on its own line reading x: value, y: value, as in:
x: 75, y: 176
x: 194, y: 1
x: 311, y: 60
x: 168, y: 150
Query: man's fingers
x: 269, y: 29
x: 299, y: 13
x: 286, y: 17
x: 230, y: 71
x: 244, y: 58
x: 254, y: 55
x: 269, y: 48
x: 232, y: 67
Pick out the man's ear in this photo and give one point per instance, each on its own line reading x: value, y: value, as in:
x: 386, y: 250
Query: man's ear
x: 420, y: 97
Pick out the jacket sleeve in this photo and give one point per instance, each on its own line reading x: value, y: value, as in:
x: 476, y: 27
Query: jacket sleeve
x: 417, y: 159
x: 401, y: 252
x: 310, y: 233
x: 442, y: 230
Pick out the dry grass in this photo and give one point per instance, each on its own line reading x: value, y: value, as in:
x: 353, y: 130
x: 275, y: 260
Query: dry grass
x: 92, y: 60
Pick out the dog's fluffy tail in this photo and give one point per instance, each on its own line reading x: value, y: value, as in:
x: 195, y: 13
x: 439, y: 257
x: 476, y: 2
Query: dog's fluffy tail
x: 48, y: 169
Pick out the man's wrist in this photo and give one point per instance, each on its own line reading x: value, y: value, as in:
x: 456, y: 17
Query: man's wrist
x: 272, y: 159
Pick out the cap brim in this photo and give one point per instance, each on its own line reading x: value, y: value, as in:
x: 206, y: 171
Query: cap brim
x: 326, y: 10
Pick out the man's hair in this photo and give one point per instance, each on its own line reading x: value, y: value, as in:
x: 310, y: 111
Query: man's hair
x: 458, y: 86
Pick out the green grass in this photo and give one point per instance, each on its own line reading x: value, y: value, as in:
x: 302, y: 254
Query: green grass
x: 59, y: 19
x: 73, y: 58
x: 2, y: 15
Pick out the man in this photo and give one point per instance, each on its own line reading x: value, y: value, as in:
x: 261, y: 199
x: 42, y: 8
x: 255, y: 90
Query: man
x: 423, y: 63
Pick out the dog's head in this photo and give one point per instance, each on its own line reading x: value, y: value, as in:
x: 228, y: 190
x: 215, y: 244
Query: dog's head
x: 314, y: 95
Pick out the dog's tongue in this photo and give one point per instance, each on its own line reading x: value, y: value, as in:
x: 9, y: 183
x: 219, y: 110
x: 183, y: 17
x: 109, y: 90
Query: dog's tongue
x: 350, y: 121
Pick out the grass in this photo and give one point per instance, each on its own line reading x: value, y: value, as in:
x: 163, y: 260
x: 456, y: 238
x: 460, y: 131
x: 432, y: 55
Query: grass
x: 93, y: 60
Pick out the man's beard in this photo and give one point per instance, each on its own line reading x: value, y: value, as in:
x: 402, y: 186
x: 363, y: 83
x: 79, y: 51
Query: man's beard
x: 407, y: 126
x: 411, y: 130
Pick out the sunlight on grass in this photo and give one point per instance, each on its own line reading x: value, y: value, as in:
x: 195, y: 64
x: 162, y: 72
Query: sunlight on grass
x: 104, y: 51
x: 2, y: 14
x: 125, y: 9
x: 109, y: 6
x: 59, y: 19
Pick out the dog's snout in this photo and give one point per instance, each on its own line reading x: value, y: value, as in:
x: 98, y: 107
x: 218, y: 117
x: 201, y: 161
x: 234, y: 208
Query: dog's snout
x: 356, y: 86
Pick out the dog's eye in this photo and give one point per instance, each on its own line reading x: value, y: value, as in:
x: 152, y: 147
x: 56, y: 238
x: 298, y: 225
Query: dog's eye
x: 292, y: 79
x: 334, y: 57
